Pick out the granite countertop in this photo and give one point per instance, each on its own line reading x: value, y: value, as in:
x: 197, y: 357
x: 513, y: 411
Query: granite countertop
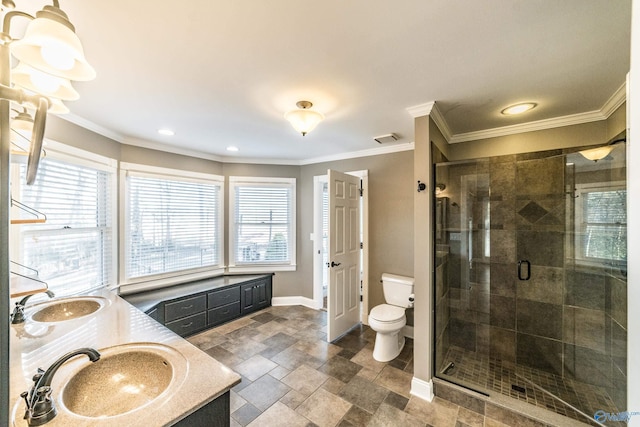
x: 34, y: 344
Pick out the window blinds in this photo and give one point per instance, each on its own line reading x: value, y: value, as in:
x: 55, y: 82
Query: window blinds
x: 605, y: 224
x: 263, y: 217
x: 172, y: 224
x: 72, y: 251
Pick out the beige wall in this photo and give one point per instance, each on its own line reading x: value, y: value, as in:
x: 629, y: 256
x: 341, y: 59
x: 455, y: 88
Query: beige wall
x: 390, y: 217
x: 391, y: 188
x: 285, y: 283
x: 593, y: 133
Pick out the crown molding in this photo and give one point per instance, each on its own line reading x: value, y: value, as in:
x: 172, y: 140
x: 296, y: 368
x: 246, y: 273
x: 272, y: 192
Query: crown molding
x: 615, y: 101
x: 421, y: 110
x: 362, y: 153
x: 440, y: 122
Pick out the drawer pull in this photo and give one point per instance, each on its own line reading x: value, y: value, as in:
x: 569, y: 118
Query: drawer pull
x: 187, y: 325
x: 225, y: 312
x: 187, y: 307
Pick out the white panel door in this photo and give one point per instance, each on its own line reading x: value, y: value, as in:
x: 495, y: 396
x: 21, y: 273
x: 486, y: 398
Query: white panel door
x: 343, y: 291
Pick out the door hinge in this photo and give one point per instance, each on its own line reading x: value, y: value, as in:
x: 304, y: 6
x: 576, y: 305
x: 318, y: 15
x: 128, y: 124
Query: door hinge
x: 361, y: 245
x: 361, y: 190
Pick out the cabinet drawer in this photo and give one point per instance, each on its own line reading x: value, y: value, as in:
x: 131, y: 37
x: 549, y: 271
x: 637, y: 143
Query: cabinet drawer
x: 185, y: 307
x: 189, y: 324
x: 224, y: 313
x: 223, y: 297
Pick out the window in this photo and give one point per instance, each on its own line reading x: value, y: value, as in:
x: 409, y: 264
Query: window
x: 173, y: 223
x: 262, y: 224
x: 73, y: 251
x: 601, y: 223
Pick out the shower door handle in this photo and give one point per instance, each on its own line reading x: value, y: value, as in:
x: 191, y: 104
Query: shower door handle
x: 522, y: 276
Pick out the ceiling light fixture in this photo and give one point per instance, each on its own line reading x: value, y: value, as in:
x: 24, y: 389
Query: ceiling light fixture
x: 167, y: 132
x: 232, y: 148
x: 600, y: 153
x: 519, y: 108
x: 303, y: 119
x: 49, y: 54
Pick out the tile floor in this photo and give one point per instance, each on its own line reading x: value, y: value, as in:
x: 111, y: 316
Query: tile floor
x: 292, y: 377
x: 496, y: 375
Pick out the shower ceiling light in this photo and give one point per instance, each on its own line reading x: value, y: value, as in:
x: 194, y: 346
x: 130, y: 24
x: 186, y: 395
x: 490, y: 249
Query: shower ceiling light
x: 304, y: 120
x: 596, y: 154
x: 519, y: 108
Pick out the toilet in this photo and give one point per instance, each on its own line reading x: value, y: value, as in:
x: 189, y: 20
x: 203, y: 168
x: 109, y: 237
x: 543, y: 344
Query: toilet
x: 388, y: 320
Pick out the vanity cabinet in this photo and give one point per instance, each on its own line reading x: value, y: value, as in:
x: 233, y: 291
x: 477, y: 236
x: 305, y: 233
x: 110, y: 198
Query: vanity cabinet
x: 193, y: 307
x: 255, y: 296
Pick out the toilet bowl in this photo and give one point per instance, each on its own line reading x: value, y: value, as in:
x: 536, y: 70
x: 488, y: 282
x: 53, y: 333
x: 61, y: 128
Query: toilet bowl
x: 388, y: 320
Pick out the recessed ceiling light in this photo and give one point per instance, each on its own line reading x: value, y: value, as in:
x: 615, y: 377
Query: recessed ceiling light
x: 519, y: 108
x: 232, y: 148
x: 167, y: 132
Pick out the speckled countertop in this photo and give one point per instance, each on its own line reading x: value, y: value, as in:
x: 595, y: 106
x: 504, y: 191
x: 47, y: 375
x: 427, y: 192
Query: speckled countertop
x: 199, y: 378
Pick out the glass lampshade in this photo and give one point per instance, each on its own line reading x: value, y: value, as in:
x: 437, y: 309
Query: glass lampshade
x: 54, y: 48
x: 596, y: 154
x: 43, y: 83
x: 304, y: 120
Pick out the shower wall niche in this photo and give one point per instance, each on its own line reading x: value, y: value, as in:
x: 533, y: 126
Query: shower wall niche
x: 530, y: 279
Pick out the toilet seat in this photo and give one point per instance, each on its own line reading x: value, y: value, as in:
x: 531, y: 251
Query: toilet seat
x: 386, y: 313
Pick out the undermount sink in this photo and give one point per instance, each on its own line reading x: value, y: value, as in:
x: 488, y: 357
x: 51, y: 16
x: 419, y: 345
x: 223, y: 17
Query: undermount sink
x: 126, y: 378
x: 67, y: 308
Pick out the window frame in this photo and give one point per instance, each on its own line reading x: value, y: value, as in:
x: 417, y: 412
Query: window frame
x: 135, y: 284
x: 259, y: 267
x: 80, y: 158
x: 580, y: 224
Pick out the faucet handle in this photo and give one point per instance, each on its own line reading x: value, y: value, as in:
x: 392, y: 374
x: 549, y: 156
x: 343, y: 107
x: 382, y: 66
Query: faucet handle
x: 38, y: 375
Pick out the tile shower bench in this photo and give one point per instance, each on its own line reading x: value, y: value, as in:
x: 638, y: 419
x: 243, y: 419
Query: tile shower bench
x: 192, y: 307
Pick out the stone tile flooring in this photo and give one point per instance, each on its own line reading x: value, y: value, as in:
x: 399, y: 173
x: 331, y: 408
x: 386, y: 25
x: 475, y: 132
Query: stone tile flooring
x: 292, y: 377
x: 496, y: 375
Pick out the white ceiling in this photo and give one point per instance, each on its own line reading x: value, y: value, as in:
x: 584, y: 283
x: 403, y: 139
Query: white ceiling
x: 224, y: 72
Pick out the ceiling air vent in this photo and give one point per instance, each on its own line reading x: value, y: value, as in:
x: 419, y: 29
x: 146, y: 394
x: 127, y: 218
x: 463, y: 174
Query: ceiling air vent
x: 383, y: 139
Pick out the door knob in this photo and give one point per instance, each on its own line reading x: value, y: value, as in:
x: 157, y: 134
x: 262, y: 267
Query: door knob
x: 334, y: 264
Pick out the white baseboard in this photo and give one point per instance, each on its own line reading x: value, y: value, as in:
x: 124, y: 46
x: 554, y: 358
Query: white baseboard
x: 408, y: 331
x: 422, y: 389
x: 307, y: 302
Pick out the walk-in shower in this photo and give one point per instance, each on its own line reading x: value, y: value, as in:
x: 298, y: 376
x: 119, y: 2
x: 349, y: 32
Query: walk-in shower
x: 530, y: 279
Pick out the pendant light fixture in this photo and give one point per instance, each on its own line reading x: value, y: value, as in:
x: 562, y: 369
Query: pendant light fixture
x: 303, y: 119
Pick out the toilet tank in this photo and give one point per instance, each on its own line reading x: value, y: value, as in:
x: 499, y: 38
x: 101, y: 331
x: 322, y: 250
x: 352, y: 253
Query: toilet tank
x: 397, y: 289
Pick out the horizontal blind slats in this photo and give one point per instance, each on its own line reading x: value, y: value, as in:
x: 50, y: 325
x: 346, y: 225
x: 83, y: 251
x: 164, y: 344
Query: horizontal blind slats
x: 72, y: 251
x: 172, y: 225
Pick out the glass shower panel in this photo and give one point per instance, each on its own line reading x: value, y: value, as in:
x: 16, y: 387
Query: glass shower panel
x: 462, y: 272
x: 530, y: 279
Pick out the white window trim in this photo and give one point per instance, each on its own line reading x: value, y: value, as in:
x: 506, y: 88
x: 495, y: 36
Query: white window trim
x: 261, y: 267
x: 77, y: 156
x: 167, y: 279
x: 579, y: 208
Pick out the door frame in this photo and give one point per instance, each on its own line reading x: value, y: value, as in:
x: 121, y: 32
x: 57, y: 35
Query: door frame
x: 318, y: 266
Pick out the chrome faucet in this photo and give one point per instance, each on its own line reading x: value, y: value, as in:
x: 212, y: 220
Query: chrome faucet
x: 18, y: 312
x: 40, y: 406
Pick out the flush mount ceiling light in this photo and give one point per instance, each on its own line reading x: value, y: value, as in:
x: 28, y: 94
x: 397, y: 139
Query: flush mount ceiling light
x: 303, y: 119
x: 232, y: 148
x: 519, y: 108
x: 167, y: 132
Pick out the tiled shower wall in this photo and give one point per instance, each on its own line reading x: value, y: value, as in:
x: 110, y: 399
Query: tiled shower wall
x: 567, y: 320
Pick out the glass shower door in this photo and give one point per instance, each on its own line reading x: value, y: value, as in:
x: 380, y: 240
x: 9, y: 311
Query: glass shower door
x: 530, y: 279
x: 463, y: 272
